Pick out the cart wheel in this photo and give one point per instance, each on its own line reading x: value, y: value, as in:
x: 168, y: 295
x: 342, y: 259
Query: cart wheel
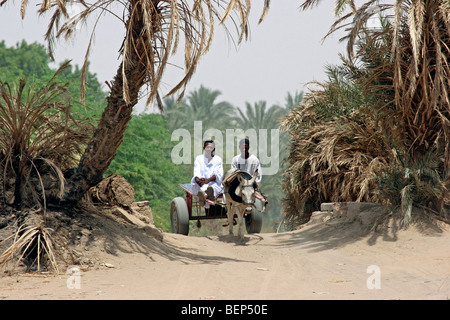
x: 253, y: 222
x: 179, y: 216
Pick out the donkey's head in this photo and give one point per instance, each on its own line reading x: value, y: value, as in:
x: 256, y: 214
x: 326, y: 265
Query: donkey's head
x: 246, y: 189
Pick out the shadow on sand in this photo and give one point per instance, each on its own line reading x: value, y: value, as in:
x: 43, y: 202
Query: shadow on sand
x: 338, y: 233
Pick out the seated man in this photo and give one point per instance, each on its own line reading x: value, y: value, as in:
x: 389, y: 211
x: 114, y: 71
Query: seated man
x: 208, y: 172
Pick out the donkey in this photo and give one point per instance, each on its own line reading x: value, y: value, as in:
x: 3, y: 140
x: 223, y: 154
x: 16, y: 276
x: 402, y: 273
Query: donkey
x: 240, y: 200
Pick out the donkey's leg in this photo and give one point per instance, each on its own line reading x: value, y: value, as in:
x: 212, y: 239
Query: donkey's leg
x: 230, y: 213
x: 241, y: 223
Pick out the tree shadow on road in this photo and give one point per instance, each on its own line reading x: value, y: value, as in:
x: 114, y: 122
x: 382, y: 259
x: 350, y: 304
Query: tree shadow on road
x: 338, y: 233
x: 104, y: 235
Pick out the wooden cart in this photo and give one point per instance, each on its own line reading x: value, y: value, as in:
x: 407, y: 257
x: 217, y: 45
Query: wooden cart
x: 183, y: 210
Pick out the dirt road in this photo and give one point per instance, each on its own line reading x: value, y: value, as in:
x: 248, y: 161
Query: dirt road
x: 317, y: 262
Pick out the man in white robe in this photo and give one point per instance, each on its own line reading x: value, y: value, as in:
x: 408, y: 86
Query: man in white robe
x: 249, y: 163
x: 246, y: 161
x: 208, y: 174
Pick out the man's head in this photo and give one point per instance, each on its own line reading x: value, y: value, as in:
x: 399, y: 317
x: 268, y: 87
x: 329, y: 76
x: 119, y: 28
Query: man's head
x: 244, y: 146
x: 209, y: 146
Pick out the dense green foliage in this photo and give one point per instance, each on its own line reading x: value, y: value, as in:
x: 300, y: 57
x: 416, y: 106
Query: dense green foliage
x: 31, y: 62
x: 144, y: 160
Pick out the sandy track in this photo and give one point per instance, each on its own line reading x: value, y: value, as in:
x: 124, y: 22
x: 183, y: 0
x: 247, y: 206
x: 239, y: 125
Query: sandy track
x: 317, y: 262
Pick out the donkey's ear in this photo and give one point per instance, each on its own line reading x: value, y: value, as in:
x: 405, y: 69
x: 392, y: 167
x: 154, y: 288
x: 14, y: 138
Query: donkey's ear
x: 255, y: 175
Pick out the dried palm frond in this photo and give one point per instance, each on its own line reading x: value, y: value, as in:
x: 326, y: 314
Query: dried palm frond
x: 34, y: 244
x: 418, y: 65
x: 160, y: 25
x: 401, y: 67
x: 333, y: 161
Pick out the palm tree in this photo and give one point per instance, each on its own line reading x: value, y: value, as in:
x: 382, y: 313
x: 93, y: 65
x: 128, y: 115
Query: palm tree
x: 393, y: 147
x: 174, y: 112
x: 257, y: 117
x: 293, y: 101
x: 417, y: 69
x: 199, y: 105
x: 153, y: 31
x: 203, y: 106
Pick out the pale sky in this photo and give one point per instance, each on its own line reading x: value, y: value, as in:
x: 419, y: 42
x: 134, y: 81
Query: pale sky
x: 282, y: 55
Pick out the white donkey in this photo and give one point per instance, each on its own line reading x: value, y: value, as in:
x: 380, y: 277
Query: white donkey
x: 239, y: 196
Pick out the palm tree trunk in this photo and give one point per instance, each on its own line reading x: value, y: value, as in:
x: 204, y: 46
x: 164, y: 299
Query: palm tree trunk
x: 103, y: 146
x: 110, y: 131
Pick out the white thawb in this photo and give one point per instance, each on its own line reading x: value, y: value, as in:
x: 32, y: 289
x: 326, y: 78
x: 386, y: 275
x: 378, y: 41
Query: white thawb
x: 205, y: 168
